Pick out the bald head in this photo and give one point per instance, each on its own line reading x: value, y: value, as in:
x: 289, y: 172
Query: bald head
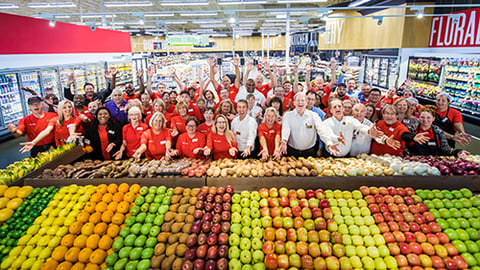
x: 359, y: 111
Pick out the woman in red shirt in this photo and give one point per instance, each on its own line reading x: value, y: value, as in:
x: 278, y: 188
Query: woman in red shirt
x: 64, y: 127
x: 177, y: 123
x: 269, y: 135
x: 221, y: 142
x: 147, y: 107
x: 191, y: 143
x: 132, y: 133
x: 156, y: 141
x: 104, y: 135
x: 450, y: 121
x: 159, y: 106
x: 206, y: 127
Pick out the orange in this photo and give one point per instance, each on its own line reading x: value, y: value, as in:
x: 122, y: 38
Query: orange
x: 118, y: 218
x: 112, y: 188
x: 92, y: 241
x: 58, y: 253
x: 101, y: 207
x: 129, y: 197
x: 87, y: 228
x: 78, y: 266
x: 135, y: 188
x: 112, y: 206
x: 65, y: 266
x: 98, y: 256
x: 102, y: 189
x: 75, y: 227
x: 92, y: 266
x: 105, y: 242
x: 100, y: 228
x: 113, y: 230
x: 72, y: 254
x: 67, y: 240
x: 83, y: 217
x: 88, y: 149
x: 90, y: 207
x: 96, y: 197
x: 123, y: 187
x: 118, y: 197
x: 84, y: 255
x: 49, y: 265
x: 107, y: 216
x: 95, y: 218
x: 107, y: 197
x: 80, y: 241
x: 123, y: 207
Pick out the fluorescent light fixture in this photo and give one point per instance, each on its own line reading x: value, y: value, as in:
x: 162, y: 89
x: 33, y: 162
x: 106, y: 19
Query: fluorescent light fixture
x: 128, y: 4
x: 248, y: 20
x: 158, y: 14
x: 140, y: 26
x: 52, y: 23
x: 199, y: 14
x: 301, y: 1
x: 231, y: 20
x: 218, y: 35
x: 207, y: 21
x: 279, y: 20
x: 98, y: 16
x: 170, y: 3
x: 51, y: 5
x: 7, y: 6
x: 132, y: 30
x: 241, y: 2
x: 61, y: 16
x: 358, y: 3
x: 202, y: 30
x: 218, y: 25
x: 118, y: 23
x: 175, y: 22
x: 419, y: 11
x: 248, y: 24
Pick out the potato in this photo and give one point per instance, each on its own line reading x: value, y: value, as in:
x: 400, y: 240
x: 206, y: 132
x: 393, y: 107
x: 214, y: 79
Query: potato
x: 292, y: 172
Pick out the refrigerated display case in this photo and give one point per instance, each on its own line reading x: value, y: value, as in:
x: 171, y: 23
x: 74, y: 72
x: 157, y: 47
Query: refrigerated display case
x: 10, y: 99
x: 138, y: 64
x: 64, y: 73
x: 124, y: 75
x: 50, y: 80
x: 426, y: 70
x: 30, y: 79
x: 79, y: 72
x: 383, y: 71
x: 102, y: 83
x: 92, y: 74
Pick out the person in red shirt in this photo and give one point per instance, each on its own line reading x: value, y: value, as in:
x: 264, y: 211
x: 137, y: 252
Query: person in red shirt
x: 177, y: 123
x: 390, y: 96
x: 132, y: 133
x: 276, y: 103
x: 226, y: 81
x: 319, y: 82
x: 450, y: 121
x: 221, y: 142
x: 192, y: 109
x: 147, y: 106
x: 259, y: 85
x: 171, y: 104
x: 104, y: 135
x: 374, y: 99
x: 129, y: 92
x: 210, y: 98
x: 191, y: 143
x: 395, y: 135
x: 206, y: 127
x: 279, y: 92
x: 158, y: 106
x: 269, y: 135
x: 33, y: 124
x: 224, y: 96
x: 156, y: 142
x: 226, y: 108
x: 201, y: 105
x: 63, y: 127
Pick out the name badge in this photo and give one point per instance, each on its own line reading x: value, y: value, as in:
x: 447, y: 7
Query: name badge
x: 163, y: 142
x: 431, y: 143
x: 271, y: 131
x: 190, y: 110
x: 111, y: 132
x: 391, y: 129
x: 308, y: 126
x: 238, y: 132
x: 195, y: 140
x: 445, y: 119
x: 71, y: 125
x: 139, y: 128
x: 217, y: 141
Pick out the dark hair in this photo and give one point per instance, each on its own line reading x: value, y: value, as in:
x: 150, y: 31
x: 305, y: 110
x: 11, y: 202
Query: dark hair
x: 209, y: 109
x: 110, y: 120
x: 191, y: 89
x: 341, y: 85
x: 310, y: 92
x: 276, y: 99
x: 376, y: 90
x: 185, y: 92
x: 86, y: 84
x: 192, y: 118
x: 242, y: 101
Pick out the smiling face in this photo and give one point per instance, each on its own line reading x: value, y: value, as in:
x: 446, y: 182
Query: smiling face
x: 359, y: 112
x: 369, y: 112
x: 92, y: 107
x: 182, y: 111
x: 279, y: 92
x: 191, y: 127
x: 287, y: 86
x: 402, y: 107
x: 351, y: 84
x: 300, y: 103
x: 129, y: 89
x: 226, y: 81
x: 103, y: 116
x: 336, y: 109
x: 390, y: 116
x: 158, y: 107
x: 209, y: 96
x: 408, y: 93
x: 365, y: 88
x: 311, y: 99
x: 221, y: 124
x: 134, y: 116
x: 79, y: 101
x: 250, y: 86
x: 89, y: 90
x: 161, y: 88
x: 442, y: 103
x: 145, y: 99
x: 117, y: 97
x: 226, y: 108
x: 347, y: 108
x: 67, y: 109
x: 374, y: 96
x: 391, y: 92
x: 426, y: 119
x: 276, y: 105
x: 341, y: 91
x: 208, y: 114
x: 192, y: 84
x: 242, y: 109
x: 36, y: 107
x: 259, y: 81
x: 223, y: 94
x: 270, y: 117
x: 185, y: 98
x: 157, y: 123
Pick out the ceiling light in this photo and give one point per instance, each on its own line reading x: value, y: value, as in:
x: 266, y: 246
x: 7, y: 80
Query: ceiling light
x: 175, y: 22
x: 141, y: 26
x: 183, y: 3
x: 218, y: 25
x: 232, y: 20
x: 50, y: 5
x: 52, y: 23
x: 158, y: 14
x: 8, y: 5
x: 141, y: 20
x: 132, y: 30
x: 419, y: 14
x: 279, y: 20
x: 218, y: 35
x: 207, y: 21
x: 358, y: 3
x: 98, y: 16
x: 61, y: 16
x: 199, y: 14
x: 128, y: 4
x: 241, y: 2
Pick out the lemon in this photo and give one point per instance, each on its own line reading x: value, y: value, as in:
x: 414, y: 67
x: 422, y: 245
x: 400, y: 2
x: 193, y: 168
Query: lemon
x: 59, y: 196
x: 84, y: 198
x: 14, y: 203
x: 33, y: 229
x: 3, y: 202
x: 7, y: 262
x: 35, y: 252
x: 79, y: 206
x: 68, y: 197
x: 15, y: 251
x: 42, y: 231
x: 28, y: 263
x: 55, y: 212
x: 39, y: 219
x: 52, y: 230
x: 37, y: 265
x: 47, y: 211
x: 59, y: 221
x: 45, y: 253
x: 76, y: 196
x: 44, y: 241
x: 62, y: 231
x: 5, y: 214
x: 54, y: 242
x: 34, y: 240
x: 47, y: 222
x: 62, y: 204
x: 18, y: 262
x: 73, y: 188
x: 53, y: 203
x: 24, y: 240
x: 68, y: 221
x: 26, y: 250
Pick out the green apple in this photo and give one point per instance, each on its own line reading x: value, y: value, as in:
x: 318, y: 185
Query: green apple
x: 357, y: 263
x: 236, y: 217
x: 354, y: 230
x: 362, y: 203
x: 245, y: 211
x: 350, y: 251
x: 374, y: 229
x: 364, y: 230
x: 359, y: 220
x: 233, y: 252
x: 236, y: 208
x: 245, y: 256
x: 361, y: 251
x: 365, y: 211
x: 246, y: 232
x: 338, y: 219
x: 349, y: 220
x: 369, y: 220
x: 152, y: 190
x: 236, y: 198
x: 352, y: 203
x: 355, y: 211
x: 343, y: 229
x: 245, y: 244
x: 368, y: 241
x: 267, y: 221
x: 234, y: 264
x: 254, y: 204
x: 345, y: 211
x: 257, y: 256
x: 380, y: 264
x: 347, y: 239
x: 245, y: 202
x: 332, y: 202
x: 257, y: 232
x: 391, y: 262
x: 373, y: 252
x: 357, y: 240
x: 255, y: 213
x: 236, y: 228
x: 383, y: 250
x: 342, y: 202
x: 255, y: 196
x: 234, y: 239
x: 257, y: 244
x: 245, y: 194
x: 163, y: 209
x: 143, y: 191
x: 259, y: 266
x: 256, y: 222
x: 335, y: 210
x: 246, y: 221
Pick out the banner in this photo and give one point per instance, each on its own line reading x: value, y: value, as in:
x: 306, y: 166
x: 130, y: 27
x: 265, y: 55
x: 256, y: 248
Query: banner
x: 459, y: 29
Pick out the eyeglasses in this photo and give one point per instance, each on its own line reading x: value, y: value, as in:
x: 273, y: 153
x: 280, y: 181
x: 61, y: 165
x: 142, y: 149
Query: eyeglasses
x: 312, y: 99
x: 191, y: 126
x: 221, y: 122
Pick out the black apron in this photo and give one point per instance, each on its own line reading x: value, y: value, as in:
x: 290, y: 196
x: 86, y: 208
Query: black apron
x: 429, y: 148
x: 446, y: 125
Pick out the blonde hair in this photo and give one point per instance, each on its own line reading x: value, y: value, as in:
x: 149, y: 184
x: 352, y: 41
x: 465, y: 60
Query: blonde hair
x: 408, y: 112
x: 61, y: 117
x: 228, y: 133
x: 155, y: 116
x: 159, y: 101
x: 270, y: 109
x: 132, y: 103
x: 232, y: 109
x: 179, y: 105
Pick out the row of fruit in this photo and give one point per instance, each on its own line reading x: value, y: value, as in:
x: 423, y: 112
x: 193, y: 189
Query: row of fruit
x: 19, y: 169
x: 133, y: 227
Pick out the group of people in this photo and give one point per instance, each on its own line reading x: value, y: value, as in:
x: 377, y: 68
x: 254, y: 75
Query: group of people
x: 336, y: 118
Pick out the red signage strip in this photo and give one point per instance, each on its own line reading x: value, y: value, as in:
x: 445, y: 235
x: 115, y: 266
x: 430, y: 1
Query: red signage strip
x: 459, y: 29
x: 25, y: 35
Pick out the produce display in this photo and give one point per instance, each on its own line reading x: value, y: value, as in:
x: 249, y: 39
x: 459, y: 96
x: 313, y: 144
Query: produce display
x: 450, y: 165
x: 18, y: 169
x: 132, y: 227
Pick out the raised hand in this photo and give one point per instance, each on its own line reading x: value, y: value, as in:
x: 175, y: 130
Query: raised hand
x: 71, y: 79
x: 140, y: 73
x: 333, y: 64
x: 29, y: 90
x: 172, y: 71
x: 11, y: 127
x: 150, y: 72
x: 250, y: 66
x: 393, y: 143
x: 295, y: 69
x: 236, y: 61
x: 211, y: 62
x: 421, y: 138
x: 308, y: 67
x: 114, y: 71
x: 345, y: 67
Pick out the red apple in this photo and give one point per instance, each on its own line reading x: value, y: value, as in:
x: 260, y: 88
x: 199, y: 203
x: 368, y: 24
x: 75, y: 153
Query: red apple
x: 450, y: 263
x: 428, y: 216
x: 388, y: 199
x: 292, y: 234
x: 441, y: 251
x: 324, y: 203
x: 419, y: 218
x: 273, y: 202
x: 310, y: 194
x: 327, y: 213
x: 393, y: 226
x: 297, y: 211
x: 301, y: 193
x: 401, y: 260
x: 409, y: 237
x: 378, y: 218
x: 420, y: 237
x: 281, y: 234
x: 265, y: 211
x: 292, y: 193
x: 364, y: 190
x: 383, y: 207
x: 410, y: 191
x: 398, y: 217
x: 275, y: 211
x: 271, y: 261
x: 320, y: 224
x: 370, y: 199
x: 408, y: 217
x: 279, y: 247
x: 287, y: 212
x: 414, y: 227
x: 403, y: 226
x: 269, y: 234
x: 399, y: 236
x: 373, y: 190
x: 437, y: 262
x: 408, y: 200
x: 393, y: 207
x: 401, y: 192
x: 302, y: 248
x: 434, y: 227
x: 383, y: 227
x: 378, y: 198
x: 388, y: 216
x: 298, y: 222
x: 374, y: 208
x: 425, y: 228
x: 402, y: 207
x: 422, y: 207
x: 319, y: 194
x: 404, y: 248
x: 428, y: 249
x: 397, y: 199
x: 394, y: 249
x: 416, y: 248
x: 284, y: 202
x: 413, y: 209
x: 325, y: 248
x: 442, y: 237
x: 316, y: 213
x: 303, y: 202
x: 282, y: 261
x: 313, y: 202
x: 273, y: 192
x: 460, y: 262
x: 451, y: 249
x: 432, y: 239
x: 392, y: 190
x: 383, y: 191
x: 268, y: 247
x: 413, y: 259
x: 389, y: 238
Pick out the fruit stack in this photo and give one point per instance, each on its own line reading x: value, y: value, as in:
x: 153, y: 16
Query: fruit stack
x: 458, y: 215
x: 171, y: 248
x: 363, y: 245
x: 135, y: 246
x: 246, y: 232
x: 413, y: 237
x: 296, y: 234
x: 209, y: 238
x: 23, y: 213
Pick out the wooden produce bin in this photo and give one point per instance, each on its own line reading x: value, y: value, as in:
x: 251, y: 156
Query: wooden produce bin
x: 349, y: 183
x: 187, y: 182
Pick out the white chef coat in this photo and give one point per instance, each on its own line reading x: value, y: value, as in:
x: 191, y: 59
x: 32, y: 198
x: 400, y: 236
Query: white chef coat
x: 347, y: 125
x: 245, y: 131
x: 361, y: 142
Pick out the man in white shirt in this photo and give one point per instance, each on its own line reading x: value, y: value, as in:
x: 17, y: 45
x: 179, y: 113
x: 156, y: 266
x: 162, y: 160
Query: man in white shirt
x: 250, y: 89
x: 300, y: 128
x: 360, y: 142
x: 245, y: 129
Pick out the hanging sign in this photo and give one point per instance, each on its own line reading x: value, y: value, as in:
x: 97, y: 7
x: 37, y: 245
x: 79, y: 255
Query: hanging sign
x: 187, y: 40
x: 459, y: 29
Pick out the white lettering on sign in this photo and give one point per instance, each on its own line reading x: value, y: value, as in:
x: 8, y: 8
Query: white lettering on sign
x: 333, y: 31
x: 148, y: 44
x: 461, y: 29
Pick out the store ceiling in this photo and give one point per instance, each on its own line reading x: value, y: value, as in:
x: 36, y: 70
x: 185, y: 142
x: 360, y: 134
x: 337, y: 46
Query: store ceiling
x: 209, y: 17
